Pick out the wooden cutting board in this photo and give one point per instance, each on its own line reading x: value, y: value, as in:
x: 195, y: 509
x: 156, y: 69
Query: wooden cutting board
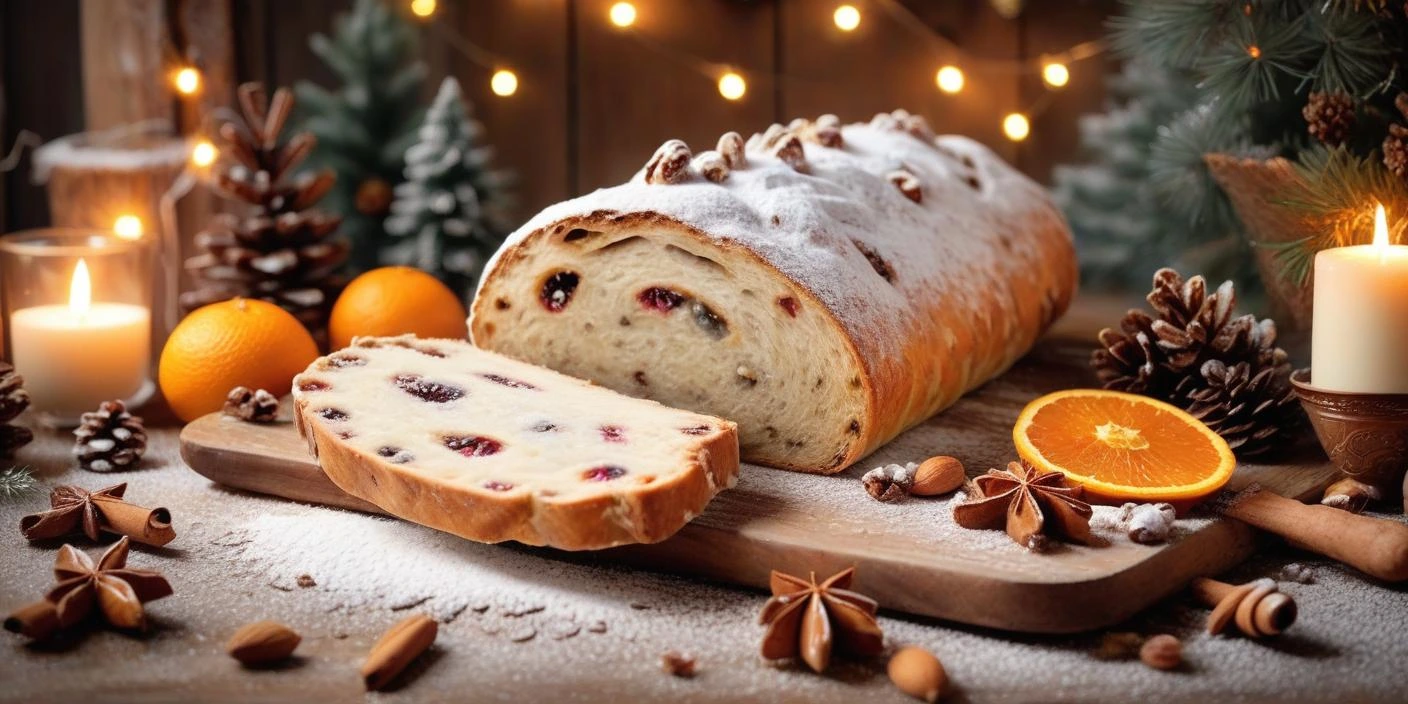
x: 910, y: 556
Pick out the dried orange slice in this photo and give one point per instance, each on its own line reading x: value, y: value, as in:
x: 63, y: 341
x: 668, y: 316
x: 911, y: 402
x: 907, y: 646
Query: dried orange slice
x: 1123, y: 447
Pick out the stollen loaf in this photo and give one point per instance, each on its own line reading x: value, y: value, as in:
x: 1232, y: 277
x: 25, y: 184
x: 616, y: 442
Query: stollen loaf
x: 824, y: 286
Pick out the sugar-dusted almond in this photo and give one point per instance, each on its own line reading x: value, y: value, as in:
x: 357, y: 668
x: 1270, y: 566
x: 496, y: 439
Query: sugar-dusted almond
x: 938, y: 475
x: 403, y: 643
x: 262, y: 643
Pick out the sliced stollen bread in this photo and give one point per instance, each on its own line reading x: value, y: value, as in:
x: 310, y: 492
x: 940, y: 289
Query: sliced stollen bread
x: 447, y: 435
x: 825, y: 286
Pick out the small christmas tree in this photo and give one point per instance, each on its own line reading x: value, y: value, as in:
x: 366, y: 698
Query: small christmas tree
x: 281, y: 250
x: 1125, y: 226
x: 452, y: 207
x: 366, y: 125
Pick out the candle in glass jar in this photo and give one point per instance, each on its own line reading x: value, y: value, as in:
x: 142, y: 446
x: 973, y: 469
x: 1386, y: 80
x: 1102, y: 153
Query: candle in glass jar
x: 1360, y: 337
x: 75, y: 356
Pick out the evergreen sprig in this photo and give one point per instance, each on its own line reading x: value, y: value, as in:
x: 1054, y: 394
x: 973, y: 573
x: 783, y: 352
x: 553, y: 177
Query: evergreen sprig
x: 1338, y: 193
x: 16, y: 482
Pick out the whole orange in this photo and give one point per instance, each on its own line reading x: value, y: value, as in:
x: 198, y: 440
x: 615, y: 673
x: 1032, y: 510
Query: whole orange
x: 396, y: 300
x: 239, y: 342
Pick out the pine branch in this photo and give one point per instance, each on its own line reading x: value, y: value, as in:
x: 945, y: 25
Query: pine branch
x: 1338, y: 192
x: 1352, y: 53
x: 17, y: 482
x: 1258, y: 62
x: 1173, y: 34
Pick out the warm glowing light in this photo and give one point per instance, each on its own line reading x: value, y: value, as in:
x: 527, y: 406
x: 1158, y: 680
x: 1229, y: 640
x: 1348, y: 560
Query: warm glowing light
x: 504, y: 83
x: 1254, y: 51
x: 950, y: 79
x: 622, y: 14
x: 187, y: 81
x: 203, y: 154
x: 846, y: 17
x: 80, y: 292
x: 422, y: 8
x: 732, y: 86
x: 127, y: 227
x: 1380, y: 228
x: 1055, y: 74
x: 1016, y: 127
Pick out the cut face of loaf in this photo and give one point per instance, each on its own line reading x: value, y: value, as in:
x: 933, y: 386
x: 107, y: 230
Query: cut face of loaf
x: 456, y: 438
x: 824, y: 286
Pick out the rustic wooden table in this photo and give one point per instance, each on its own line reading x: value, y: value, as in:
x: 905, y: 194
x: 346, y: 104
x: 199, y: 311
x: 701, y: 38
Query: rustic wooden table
x: 525, y: 625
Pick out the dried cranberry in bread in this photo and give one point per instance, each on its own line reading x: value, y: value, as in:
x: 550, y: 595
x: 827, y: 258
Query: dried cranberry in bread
x: 824, y: 286
x: 467, y: 441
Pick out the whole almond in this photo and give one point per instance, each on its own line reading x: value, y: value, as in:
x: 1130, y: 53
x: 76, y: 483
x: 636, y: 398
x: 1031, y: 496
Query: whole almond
x: 262, y: 643
x: 938, y: 475
x: 1162, y: 652
x: 397, y: 648
x: 916, y: 672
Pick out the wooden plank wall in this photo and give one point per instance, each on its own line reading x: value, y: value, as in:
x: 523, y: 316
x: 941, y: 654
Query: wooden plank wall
x: 594, y: 101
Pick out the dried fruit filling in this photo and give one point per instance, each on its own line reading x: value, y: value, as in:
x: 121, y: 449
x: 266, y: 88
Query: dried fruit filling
x: 604, y: 473
x: 473, y: 446
x: 428, y: 391
x: 661, y: 299
x: 558, y: 289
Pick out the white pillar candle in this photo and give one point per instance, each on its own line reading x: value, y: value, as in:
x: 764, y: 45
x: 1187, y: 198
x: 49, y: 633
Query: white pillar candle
x: 1360, y: 337
x: 75, y: 356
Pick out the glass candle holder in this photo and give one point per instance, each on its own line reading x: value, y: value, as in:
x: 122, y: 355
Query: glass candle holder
x: 78, y: 321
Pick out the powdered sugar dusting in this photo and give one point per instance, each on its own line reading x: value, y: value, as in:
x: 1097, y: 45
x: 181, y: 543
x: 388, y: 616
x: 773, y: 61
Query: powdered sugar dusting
x: 816, y: 227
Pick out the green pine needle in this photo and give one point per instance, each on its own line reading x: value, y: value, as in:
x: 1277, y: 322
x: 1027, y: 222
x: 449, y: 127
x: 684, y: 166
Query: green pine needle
x: 17, y: 482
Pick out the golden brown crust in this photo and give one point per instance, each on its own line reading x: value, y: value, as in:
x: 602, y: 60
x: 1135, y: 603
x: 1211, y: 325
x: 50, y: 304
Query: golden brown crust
x: 480, y: 332
x: 645, y: 514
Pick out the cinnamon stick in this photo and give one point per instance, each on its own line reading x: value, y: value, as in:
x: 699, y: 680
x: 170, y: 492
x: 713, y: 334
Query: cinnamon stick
x: 150, y: 526
x: 1374, y: 546
x: 36, y: 621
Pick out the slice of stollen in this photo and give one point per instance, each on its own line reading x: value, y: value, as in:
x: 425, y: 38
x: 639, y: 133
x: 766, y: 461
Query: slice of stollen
x: 453, y: 437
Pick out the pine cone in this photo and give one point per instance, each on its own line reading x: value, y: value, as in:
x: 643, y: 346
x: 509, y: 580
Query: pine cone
x: 1396, y: 150
x: 1149, y: 355
x: 13, y: 401
x: 1227, y: 371
x: 1330, y: 117
x: 258, y: 406
x: 109, y: 438
x: 284, y: 252
x: 1253, y: 412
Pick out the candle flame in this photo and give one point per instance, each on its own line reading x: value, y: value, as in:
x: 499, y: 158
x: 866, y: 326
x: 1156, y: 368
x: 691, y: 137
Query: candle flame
x: 80, y: 292
x: 1380, y: 228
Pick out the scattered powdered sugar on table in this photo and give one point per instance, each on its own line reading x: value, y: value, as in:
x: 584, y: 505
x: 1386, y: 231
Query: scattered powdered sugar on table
x: 518, y: 623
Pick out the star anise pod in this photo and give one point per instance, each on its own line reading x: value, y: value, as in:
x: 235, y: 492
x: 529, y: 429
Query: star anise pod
x: 1029, y: 503
x: 70, y: 509
x: 116, y: 590
x: 807, y: 619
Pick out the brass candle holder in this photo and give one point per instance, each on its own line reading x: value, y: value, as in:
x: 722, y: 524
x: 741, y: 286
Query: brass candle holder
x: 1366, y: 437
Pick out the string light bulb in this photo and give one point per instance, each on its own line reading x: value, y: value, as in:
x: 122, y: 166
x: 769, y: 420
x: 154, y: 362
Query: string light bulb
x: 203, y: 153
x: 732, y: 86
x: 127, y: 227
x: 949, y: 79
x: 1055, y: 74
x: 1016, y: 126
x: 187, y: 80
x: 622, y: 14
x: 422, y: 8
x: 504, y: 83
x: 846, y: 17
